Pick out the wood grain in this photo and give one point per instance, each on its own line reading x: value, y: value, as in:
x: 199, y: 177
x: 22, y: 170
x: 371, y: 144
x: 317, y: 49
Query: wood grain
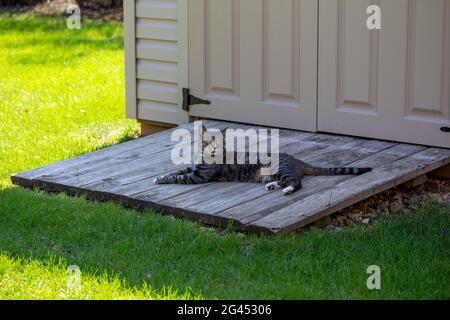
x: 124, y: 173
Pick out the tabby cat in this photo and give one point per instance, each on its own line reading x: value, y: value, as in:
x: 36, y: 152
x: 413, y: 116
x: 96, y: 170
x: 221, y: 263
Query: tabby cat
x: 288, y: 177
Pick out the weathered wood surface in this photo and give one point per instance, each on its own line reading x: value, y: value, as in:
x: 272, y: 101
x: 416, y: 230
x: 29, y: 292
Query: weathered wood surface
x: 349, y: 192
x: 125, y: 173
x: 442, y: 173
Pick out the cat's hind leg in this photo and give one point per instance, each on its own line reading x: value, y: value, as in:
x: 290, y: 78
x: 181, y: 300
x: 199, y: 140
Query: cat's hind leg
x: 292, y: 184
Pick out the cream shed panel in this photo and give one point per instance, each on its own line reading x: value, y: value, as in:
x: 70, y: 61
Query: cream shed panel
x: 298, y: 64
x: 155, y: 54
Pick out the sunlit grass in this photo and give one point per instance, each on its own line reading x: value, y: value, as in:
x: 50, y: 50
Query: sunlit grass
x: 61, y: 90
x: 61, y: 95
x: 32, y: 279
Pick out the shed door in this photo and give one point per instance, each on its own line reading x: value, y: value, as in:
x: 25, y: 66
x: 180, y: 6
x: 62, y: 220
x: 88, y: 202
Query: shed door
x: 393, y: 84
x: 255, y: 60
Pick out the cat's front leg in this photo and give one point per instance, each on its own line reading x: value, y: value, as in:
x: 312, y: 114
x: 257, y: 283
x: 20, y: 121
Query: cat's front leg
x: 183, y: 171
x: 272, y: 185
x: 167, y: 179
x: 190, y: 178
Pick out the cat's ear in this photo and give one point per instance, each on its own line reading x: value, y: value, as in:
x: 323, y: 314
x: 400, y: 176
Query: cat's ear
x: 204, y: 128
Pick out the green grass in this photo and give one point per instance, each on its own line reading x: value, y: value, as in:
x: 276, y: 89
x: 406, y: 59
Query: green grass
x: 61, y: 94
x: 61, y: 90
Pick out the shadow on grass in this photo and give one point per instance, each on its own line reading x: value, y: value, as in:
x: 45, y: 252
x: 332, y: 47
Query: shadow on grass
x: 54, y: 279
x: 412, y: 251
x: 102, y: 239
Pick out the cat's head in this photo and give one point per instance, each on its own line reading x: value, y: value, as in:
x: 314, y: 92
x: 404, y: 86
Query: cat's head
x: 212, y: 142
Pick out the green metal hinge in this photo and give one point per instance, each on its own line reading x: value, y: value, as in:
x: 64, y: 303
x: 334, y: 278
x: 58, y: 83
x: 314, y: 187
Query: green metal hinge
x: 190, y: 100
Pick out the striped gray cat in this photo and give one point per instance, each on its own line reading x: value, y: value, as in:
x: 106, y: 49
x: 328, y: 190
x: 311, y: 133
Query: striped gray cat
x: 289, y: 175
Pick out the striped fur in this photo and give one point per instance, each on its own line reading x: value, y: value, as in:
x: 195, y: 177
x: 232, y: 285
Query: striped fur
x: 290, y: 173
x: 317, y: 171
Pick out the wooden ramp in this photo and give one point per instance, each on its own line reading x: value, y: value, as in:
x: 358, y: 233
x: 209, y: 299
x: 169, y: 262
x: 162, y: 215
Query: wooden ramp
x: 125, y: 173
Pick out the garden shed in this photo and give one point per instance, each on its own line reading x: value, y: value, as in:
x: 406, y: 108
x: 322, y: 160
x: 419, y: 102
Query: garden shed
x: 309, y: 65
x: 343, y: 95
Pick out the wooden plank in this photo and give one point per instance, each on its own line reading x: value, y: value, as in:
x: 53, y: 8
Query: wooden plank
x: 114, y: 173
x: 92, y: 161
x: 164, y: 192
x: 125, y: 173
x: 157, y: 194
x: 143, y: 172
x: 66, y: 166
x: 152, y: 127
x: 142, y: 185
x: 257, y: 209
x: 95, y: 157
x: 349, y: 192
x: 142, y: 169
x: 441, y: 173
x: 247, y: 193
x: 416, y: 181
x: 138, y: 162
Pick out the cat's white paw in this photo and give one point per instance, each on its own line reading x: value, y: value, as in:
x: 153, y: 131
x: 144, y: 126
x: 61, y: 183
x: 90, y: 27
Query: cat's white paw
x: 272, y: 186
x: 288, y: 190
x: 156, y: 181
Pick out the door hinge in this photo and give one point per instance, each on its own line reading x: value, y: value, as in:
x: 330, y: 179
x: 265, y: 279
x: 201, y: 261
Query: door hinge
x: 190, y: 100
x: 445, y: 129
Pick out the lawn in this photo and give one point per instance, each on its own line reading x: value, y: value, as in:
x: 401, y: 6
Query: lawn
x: 61, y: 95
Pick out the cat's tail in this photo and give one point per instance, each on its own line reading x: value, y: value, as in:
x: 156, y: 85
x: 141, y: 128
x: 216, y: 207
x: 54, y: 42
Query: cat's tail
x: 338, y: 171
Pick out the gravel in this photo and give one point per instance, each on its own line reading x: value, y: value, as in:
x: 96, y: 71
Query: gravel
x: 405, y: 198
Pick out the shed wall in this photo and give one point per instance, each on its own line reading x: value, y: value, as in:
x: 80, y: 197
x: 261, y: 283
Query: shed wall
x: 154, y: 56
